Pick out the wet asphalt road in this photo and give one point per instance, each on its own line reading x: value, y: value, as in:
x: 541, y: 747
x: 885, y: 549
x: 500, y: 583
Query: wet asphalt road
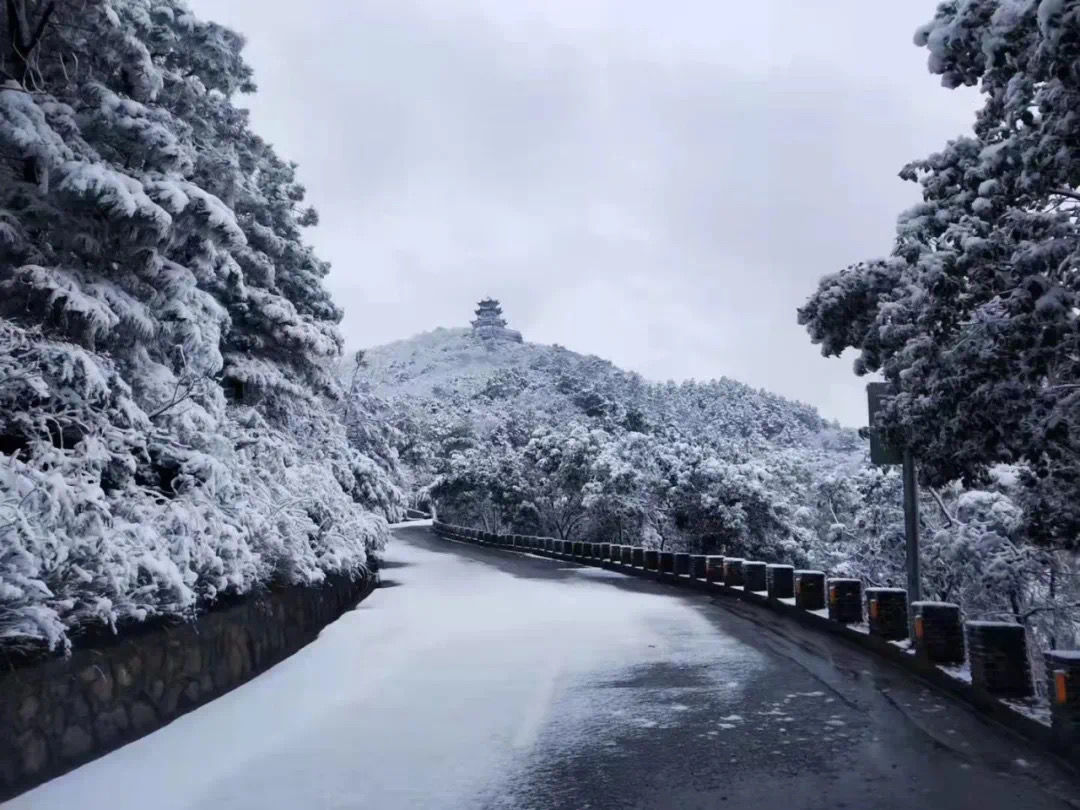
x: 799, y: 721
x: 477, y: 678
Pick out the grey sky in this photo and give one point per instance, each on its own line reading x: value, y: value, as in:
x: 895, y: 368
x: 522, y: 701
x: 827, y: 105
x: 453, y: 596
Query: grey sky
x: 657, y: 183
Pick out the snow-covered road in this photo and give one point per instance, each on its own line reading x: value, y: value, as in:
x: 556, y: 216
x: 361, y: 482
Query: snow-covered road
x: 476, y: 678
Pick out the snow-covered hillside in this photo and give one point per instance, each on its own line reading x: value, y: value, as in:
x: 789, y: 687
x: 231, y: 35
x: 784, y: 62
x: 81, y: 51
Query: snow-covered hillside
x: 547, y: 439
x: 541, y: 440
x: 452, y: 369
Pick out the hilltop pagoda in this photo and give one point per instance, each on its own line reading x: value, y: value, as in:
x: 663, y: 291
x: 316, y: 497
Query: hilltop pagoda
x: 490, y: 324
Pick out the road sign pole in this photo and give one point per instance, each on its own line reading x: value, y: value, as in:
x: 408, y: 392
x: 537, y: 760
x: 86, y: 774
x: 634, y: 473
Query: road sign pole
x: 886, y: 455
x: 911, y: 527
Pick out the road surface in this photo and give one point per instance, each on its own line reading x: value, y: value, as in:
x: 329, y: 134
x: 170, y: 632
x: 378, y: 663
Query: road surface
x: 480, y: 679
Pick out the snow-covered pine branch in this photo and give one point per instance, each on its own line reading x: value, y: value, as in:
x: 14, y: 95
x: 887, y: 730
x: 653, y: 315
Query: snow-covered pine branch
x: 168, y: 408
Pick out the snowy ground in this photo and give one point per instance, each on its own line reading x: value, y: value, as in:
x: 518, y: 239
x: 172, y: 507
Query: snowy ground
x: 476, y: 678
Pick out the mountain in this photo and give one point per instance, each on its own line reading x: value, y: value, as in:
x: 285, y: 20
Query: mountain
x: 455, y: 372
x: 544, y: 439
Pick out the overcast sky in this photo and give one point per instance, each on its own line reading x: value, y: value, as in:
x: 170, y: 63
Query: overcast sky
x: 657, y: 183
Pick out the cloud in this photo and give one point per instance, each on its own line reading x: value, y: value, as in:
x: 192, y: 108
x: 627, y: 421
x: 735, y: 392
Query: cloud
x: 658, y: 184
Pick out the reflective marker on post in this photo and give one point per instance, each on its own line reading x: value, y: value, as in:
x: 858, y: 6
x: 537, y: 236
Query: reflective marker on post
x: 918, y: 627
x: 873, y: 609
x: 1061, y: 691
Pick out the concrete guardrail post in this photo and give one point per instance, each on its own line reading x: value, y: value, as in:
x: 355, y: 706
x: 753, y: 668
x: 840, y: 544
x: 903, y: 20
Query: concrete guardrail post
x: 810, y: 590
x: 753, y: 573
x: 605, y: 551
x: 667, y: 562
x: 628, y: 556
x: 697, y: 566
x: 845, y: 600
x: 714, y: 569
x: 616, y: 555
x: 999, y: 658
x: 682, y: 564
x: 639, y: 557
x: 1063, y: 676
x: 780, y: 581
x: 652, y: 559
x: 887, y: 613
x: 939, y: 632
x: 733, y: 577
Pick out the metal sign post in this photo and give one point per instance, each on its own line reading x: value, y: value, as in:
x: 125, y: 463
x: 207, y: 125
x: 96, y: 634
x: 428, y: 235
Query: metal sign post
x: 883, y: 454
x: 911, y: 527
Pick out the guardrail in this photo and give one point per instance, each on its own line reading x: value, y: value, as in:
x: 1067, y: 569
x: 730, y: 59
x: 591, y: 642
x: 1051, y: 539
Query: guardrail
x: 984, y: 663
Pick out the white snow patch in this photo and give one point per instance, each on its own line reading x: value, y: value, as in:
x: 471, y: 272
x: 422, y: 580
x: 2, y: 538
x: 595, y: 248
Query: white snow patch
x: 1033, y: 709
x: 961, y: 672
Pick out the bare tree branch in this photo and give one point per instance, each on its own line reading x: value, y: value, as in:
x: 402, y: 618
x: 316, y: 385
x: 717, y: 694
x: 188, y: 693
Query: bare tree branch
x: 941, y: 505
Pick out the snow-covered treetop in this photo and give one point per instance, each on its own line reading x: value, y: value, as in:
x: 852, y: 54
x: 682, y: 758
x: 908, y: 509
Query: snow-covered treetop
x: 974, y: 315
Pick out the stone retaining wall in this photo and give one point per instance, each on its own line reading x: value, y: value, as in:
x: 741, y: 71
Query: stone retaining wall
x: 61, y: 712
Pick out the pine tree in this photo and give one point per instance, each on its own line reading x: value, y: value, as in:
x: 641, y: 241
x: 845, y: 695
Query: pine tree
x: 167, y: 349
x: 974, y: 315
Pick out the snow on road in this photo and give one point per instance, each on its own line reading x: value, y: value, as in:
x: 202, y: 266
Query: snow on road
x: 426, y: 695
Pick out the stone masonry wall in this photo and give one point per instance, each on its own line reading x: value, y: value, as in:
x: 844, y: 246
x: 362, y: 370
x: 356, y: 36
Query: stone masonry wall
x: 60, y: 712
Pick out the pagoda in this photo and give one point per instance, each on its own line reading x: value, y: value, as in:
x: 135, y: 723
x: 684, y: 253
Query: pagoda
x: 490, y: 324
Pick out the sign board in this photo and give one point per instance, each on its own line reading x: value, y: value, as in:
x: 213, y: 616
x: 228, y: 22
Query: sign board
x: 880, y: 452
